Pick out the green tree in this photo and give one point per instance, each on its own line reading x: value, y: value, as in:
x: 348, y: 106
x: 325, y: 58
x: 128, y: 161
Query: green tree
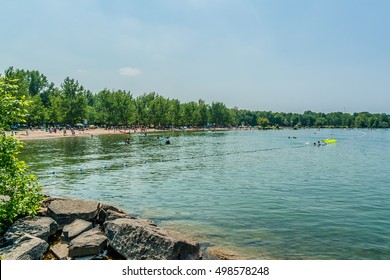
x: 188, y: 113
x: 36, y: 111
x: 37, y: 82
x: 263, y: 122
x: 103, y: 107
x: 20, y: 191
x: 320, y: 122
x: 54, y: 115
x: 361, y: 120
x: 173, y: 114
x: 202, y: 113
x: 143, y: 109
x: 158, y: 111
x: 19, y: 79
x: 123, y: 108
x: 74, y: 103
x: 219, y: 114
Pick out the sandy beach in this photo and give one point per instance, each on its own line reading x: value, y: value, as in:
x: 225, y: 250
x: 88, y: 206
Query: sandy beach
x: 42, y: 134
x: 36, y: 134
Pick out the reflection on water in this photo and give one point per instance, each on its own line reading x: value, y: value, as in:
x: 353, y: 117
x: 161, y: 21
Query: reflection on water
x: 260, y: 193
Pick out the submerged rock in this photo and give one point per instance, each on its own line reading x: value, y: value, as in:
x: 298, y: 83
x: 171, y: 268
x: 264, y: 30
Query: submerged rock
x: 137, y: 239
x: 218, y: 253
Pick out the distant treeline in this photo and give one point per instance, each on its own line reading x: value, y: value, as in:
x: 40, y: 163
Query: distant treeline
x: 70, y: 104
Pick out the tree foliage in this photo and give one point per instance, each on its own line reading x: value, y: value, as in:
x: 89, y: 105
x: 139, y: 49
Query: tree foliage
x: 71, y: 103
x: 19, y: 190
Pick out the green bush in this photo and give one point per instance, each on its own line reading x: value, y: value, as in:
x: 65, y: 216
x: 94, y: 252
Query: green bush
x: 22, y: 191
x: 19, y: 190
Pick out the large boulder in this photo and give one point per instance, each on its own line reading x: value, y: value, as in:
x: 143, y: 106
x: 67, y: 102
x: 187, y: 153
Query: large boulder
x: 25, y: 247
x: 74, y: 229
x: 113, y: 215
x: 89, y: 243
x: 103, y: 212
x: 41, y: 227
x: 67, y: 210
x: 138, y: 239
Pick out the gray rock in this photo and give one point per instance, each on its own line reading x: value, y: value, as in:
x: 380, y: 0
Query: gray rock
x: 113, y: 215
x: 67, y: 210
x: 60, y: 251
x: 75, y: 228
x: 88, y: 243
x: 41, y: 227
x: 26, y: 247
x: 137, y: 239
x: 104, y: 209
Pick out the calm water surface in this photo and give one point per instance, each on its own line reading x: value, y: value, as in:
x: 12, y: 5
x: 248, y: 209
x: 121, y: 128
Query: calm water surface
x: 260, y: 193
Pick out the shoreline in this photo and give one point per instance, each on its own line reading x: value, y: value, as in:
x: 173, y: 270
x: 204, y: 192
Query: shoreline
x: 25, y: 135
x: 67, y: 228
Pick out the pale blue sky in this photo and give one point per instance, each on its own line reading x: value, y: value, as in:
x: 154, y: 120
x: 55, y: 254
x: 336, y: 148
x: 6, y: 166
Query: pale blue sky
x: 288, y: 56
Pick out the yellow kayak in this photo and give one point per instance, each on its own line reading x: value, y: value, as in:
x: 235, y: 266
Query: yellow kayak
x: 329, y: 141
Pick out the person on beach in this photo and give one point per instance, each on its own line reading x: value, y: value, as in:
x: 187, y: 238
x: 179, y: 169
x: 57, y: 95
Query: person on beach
x: 64, y: 131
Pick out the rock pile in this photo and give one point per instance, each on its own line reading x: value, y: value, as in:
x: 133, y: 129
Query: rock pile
x: 85, y: 229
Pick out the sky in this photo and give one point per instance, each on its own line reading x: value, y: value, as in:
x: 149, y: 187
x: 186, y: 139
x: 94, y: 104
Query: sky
x: 279, y: 55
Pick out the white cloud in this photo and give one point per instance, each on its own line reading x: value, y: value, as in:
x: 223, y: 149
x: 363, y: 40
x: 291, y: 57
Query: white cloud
x: 129, y: 71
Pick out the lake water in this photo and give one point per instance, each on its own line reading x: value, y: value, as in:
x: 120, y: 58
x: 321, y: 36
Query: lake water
x: 263, y: 194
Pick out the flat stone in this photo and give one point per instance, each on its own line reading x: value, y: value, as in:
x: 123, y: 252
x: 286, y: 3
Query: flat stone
x: 60, y: 251
x: 67, y: 210
x: 41, y: 227
x: 88, y: 243
x: 25, y: 247
x: 138, y: 239
x: 74, y: 229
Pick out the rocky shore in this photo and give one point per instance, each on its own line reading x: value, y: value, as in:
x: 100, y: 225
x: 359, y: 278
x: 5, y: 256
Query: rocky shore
x: 68, y: 229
